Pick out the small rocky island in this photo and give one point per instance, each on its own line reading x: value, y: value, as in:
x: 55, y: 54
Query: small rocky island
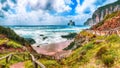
x: 71, y: 23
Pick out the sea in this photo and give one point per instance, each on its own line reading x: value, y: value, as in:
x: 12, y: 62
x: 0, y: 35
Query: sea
x: 47, y: 34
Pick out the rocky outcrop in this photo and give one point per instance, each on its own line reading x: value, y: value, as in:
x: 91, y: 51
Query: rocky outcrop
x: 110, y: 22
x: 80, y: 39
x: 71, y: 23
x: 101, y: 12
x: 30, y: 40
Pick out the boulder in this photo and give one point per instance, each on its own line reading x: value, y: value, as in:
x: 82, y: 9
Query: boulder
x: 30, y: 40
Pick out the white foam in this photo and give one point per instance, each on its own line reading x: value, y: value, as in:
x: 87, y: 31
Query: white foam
x: 53, y: 35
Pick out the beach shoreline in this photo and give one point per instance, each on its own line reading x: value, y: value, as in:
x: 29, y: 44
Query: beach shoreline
x: 55, y: 49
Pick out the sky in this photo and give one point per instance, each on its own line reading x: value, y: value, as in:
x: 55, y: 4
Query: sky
x: 47, y: 12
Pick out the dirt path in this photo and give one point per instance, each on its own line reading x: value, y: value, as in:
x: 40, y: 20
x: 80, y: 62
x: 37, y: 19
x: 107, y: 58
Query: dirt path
x: 18, y: 65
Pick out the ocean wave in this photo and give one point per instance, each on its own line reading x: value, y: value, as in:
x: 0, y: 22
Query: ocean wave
x: 46, y: 34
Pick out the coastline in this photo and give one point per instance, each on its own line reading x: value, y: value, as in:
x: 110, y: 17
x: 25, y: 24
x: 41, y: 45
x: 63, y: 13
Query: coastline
x: 55, y: 49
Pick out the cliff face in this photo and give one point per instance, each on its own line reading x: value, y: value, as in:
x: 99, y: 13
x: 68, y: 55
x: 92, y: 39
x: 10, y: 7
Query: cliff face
x: 110, y: 22
x: 101, y: 12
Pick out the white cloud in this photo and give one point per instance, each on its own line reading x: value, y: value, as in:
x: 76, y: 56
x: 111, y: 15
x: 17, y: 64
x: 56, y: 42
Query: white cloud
x: 56, y: 5
x: 89, y: 4
x: 86, y: 4
x: 60, y: 6
x: 40, y: 16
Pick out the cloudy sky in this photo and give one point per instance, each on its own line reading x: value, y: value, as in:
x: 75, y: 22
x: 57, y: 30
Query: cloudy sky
x: 47, y: 12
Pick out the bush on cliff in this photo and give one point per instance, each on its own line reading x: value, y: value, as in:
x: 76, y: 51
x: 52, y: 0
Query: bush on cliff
x: 12, y: 35
x: 69, y: 36
x: 13, y: 44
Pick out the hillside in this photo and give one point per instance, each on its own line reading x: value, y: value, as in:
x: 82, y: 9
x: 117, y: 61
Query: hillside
x: 91, y: 49
x: 8, y: 38
x: 110, y: 22
x: 101, y: 12
x: 11, y: 43
x: 91, y: 52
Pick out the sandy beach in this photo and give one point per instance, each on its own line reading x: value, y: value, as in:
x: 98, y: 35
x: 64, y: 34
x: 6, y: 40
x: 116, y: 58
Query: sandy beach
x: 53, y: 49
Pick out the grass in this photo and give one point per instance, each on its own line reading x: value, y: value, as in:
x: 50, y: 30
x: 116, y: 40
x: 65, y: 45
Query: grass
x: 69, y: 36
x: 10, y: 43
x: 28, y: 64
x: 89, y: 55
x: 105, y: 54
x: 71, y: 46
x: 3, y: 41
x: 17, y: 57
x: 12, y: 35
x: 13, y: 44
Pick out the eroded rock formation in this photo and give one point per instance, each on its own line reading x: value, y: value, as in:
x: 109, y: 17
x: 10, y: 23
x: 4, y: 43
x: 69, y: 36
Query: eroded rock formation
x: 101, y: 12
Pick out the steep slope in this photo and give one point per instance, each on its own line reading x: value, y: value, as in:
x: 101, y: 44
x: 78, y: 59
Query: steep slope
x: 97, y: 52
x: 9, y: 40
x: 110, y: 22
x: 101, y: 12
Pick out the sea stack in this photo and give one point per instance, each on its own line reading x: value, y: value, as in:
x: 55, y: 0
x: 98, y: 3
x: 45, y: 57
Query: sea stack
x: 71, y: 23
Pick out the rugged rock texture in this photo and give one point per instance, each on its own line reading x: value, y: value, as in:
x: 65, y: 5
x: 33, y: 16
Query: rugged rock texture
x: 71, y: 23
x: 30, y: 40
x: 101, y: 12
x: 80, y: 39
x: 110, y: 22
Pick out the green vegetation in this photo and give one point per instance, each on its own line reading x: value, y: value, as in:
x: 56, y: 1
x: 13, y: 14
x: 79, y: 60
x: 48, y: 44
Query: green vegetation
x: 12, y: 35
x: 30, y: 40
x: 28, y: 64
x: 9, y: 43
x: 13, y: 44
x: 71, y: 46
x: 91, y: 54
x: 3, y: 41
x: 16, y: 57
x: 69, y: 36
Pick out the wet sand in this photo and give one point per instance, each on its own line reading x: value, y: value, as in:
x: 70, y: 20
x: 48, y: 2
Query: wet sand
x: 52, y: 49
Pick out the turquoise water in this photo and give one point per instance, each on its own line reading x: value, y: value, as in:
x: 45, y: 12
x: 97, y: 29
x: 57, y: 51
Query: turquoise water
x: 52, y: 33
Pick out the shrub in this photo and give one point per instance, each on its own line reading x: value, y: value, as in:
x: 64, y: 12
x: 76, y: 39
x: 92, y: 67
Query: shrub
x: 69, y: 36
x: 87, y: 35
x: 101, y: 51
x: 108, y: 59
x: 88, y: 46
x: 13, y: 44
x: 113, y: 38
x: 28, y: 64
x: 3, y: 41
x: 12, y: 35
x: 107, y: 55
x: 71, y: 46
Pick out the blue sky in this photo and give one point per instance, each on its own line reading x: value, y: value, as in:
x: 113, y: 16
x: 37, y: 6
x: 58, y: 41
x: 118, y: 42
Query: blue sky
x: 47, y: 12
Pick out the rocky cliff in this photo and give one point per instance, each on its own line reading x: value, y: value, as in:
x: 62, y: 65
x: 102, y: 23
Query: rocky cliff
x: 110, y: 22
x: 101, y: 12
